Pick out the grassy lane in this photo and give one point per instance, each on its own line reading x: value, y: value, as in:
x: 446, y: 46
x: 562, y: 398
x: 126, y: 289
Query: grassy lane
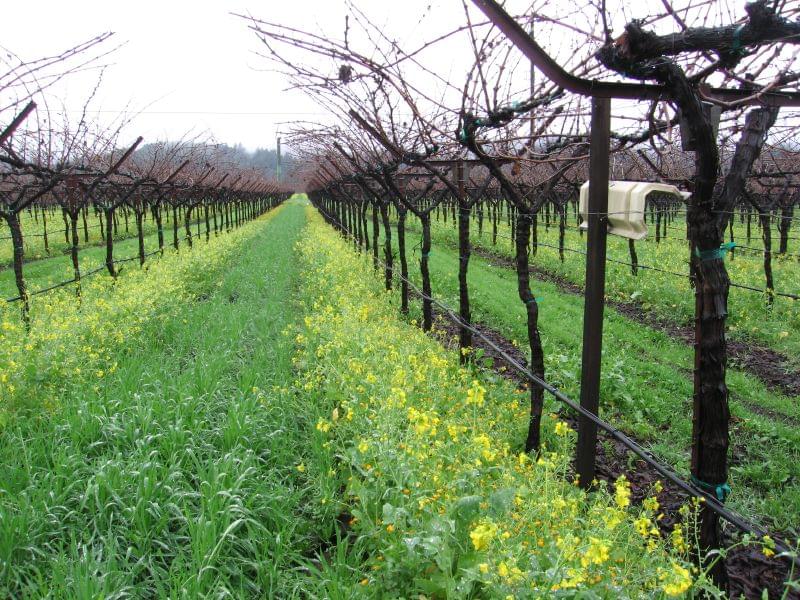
x: 71, y: 341
x: 646, y: 382
x: 175, y: 475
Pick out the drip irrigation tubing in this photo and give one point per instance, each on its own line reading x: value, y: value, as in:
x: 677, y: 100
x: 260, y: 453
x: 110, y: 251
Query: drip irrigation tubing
x: 666, y: 471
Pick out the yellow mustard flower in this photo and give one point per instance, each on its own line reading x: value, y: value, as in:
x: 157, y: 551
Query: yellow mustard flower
x: 482, y: 535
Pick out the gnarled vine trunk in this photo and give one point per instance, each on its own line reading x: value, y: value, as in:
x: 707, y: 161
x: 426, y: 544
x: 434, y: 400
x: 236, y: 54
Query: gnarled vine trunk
x: 12, y: 218
x: 401, y: 245
x: 464, y: 333
x: 427, y: 304
x: 523, y: 225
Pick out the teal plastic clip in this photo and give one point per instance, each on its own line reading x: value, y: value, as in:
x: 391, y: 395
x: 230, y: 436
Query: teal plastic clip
x: 715, y: 252
x: 721, y: 490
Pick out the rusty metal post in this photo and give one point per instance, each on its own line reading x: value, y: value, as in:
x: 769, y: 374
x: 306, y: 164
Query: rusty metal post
x: 595, y: 288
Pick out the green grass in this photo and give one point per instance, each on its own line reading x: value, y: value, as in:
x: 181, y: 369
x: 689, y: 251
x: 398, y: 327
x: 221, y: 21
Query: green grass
x: 175, y: 475
x: 197, y: 429
x: 32, y: 230
x: 46, y: 271
x: 440, y: 499
x: 646, y: 385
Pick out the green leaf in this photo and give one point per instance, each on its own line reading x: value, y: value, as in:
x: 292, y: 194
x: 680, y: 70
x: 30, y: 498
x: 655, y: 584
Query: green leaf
x: 467, y: 508
x: 500, y: 501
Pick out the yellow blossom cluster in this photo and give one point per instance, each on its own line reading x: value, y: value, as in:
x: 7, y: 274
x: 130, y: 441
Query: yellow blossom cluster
x: 676, y: 581
x: 73, y: 340
x: 429, y: 461
x: 622, y: 492
x: 476, y: 394
x: 482, y: 535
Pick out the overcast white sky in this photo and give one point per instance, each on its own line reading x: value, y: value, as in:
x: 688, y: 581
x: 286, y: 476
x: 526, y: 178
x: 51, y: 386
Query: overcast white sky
x: 188, y: 65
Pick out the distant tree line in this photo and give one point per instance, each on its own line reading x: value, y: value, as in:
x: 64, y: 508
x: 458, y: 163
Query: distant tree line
x: 262, y: 160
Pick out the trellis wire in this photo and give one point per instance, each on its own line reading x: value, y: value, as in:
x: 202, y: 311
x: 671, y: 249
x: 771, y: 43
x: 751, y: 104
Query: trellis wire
x: 652, y: 268
x: 94, y: 271
x: 83, y: 276
x: 665, y: 470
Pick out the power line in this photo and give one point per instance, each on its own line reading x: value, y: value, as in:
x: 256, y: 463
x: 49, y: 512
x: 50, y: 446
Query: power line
x: 198, y: 112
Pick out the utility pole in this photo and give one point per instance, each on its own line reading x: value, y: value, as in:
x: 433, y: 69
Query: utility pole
x: 278, y: 167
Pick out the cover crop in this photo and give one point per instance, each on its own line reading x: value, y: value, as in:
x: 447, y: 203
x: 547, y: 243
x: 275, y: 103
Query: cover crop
x: 70, y: 341
x: 438, y: 496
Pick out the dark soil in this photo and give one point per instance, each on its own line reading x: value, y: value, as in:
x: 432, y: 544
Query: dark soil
x: 749, y: 571
x: 771, y: 367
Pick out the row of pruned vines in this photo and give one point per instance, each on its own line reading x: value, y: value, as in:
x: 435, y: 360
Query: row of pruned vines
x: 81, y: 172
x: 494, y: 133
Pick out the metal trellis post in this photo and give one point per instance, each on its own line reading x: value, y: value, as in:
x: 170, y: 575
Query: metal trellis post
x: 595, y: 288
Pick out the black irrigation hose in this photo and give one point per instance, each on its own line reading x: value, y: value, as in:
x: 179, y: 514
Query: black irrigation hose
x: 57, y: 285
x: 137, y: 257
x: 666, y: 471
